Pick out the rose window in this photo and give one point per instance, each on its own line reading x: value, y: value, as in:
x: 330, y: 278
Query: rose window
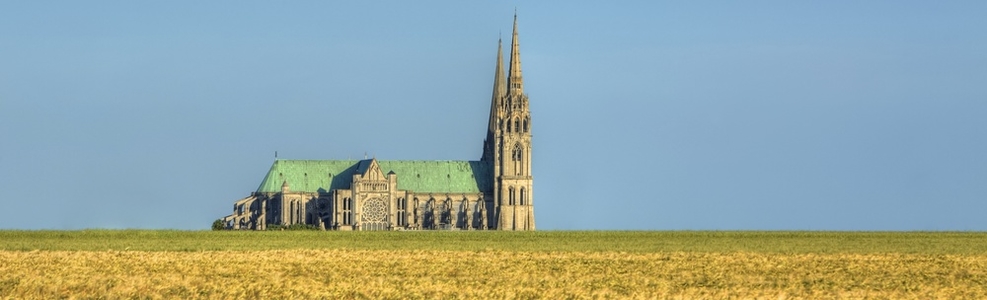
x: 375, y: 210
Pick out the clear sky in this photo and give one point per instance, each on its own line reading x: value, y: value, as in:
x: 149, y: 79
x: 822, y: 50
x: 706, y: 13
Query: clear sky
x: 685, y: 115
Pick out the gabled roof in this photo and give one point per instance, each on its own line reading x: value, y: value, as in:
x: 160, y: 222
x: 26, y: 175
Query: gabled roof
x: 322, y: 176
x: 370, y: 169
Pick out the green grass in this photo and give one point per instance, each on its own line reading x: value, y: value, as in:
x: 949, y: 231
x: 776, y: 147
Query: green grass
x: 592, y: 241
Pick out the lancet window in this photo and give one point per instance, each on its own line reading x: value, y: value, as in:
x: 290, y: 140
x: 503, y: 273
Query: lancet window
x: 402, y: 217
x: 347, y: 211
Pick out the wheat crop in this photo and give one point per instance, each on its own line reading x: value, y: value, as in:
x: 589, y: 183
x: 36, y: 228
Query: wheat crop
x: 435, y: 274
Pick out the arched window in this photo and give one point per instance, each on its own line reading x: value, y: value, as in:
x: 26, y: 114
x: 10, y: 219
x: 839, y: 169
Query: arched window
x: 402, y: 215
x: 523, y: 195
x: 510, y: 198
x: 508, y: 126
x: 517, y: 156
x: 430, y: 213
x: 347, y: 211
x: 525, y: 128
x: 291, y: 217
x: 517, y: 124
x: 416, y: 210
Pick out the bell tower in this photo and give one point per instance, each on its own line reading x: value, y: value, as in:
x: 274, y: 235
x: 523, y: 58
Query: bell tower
x: 508, y: 145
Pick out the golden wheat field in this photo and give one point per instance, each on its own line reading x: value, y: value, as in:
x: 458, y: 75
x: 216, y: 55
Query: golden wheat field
x: 715, y: 268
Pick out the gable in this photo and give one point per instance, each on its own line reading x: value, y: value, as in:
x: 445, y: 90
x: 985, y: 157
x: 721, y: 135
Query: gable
x: 370, y: 170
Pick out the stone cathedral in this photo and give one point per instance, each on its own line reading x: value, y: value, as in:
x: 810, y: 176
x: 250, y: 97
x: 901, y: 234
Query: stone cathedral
x: 493, y: 193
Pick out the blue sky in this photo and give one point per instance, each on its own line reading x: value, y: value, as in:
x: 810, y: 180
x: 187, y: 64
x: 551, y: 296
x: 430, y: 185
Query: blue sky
x: 752, y: 115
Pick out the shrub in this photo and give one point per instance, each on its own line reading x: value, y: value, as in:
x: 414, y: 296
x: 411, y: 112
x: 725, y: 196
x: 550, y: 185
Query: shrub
x: 218, y: 225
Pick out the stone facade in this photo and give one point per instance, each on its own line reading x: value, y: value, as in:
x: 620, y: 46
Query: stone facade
x: 493, y: 193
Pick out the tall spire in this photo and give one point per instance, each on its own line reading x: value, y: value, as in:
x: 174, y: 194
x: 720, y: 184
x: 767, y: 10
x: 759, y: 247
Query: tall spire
x: 514, y: 81
x: 499, y: 89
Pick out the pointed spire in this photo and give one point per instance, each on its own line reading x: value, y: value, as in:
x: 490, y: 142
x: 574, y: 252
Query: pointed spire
x: 514, y: 81
x: 499, y: 89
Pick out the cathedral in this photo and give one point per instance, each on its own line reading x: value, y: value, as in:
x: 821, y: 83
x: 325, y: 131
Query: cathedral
x: 493, y: 193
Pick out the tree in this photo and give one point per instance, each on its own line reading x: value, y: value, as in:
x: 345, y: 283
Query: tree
x: 218, y: 225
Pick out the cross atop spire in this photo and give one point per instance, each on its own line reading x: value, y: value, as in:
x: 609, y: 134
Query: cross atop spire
x: 514, y: 82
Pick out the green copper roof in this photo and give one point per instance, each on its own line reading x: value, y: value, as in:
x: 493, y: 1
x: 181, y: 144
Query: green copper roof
x: 322, y: 176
